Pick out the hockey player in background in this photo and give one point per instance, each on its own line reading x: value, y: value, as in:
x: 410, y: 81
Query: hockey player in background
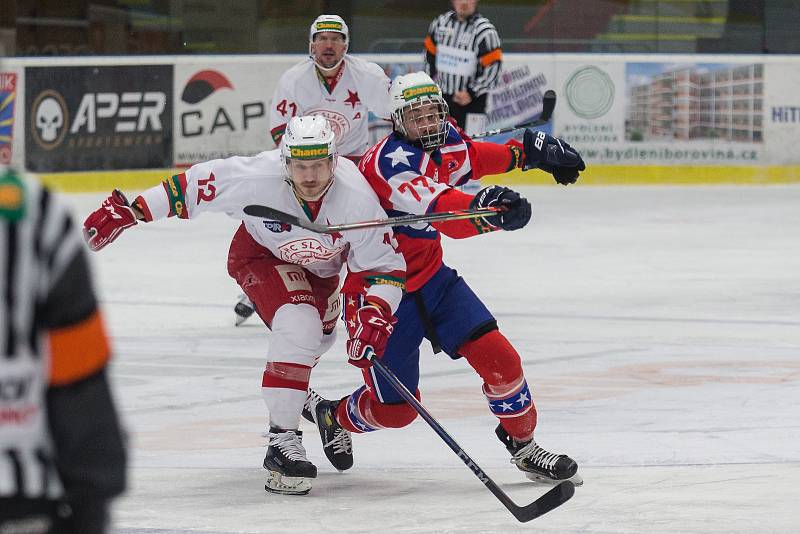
x: 331, y: 83
x: 63, y: 456
x: 416, y: 170
x: 291, y: 274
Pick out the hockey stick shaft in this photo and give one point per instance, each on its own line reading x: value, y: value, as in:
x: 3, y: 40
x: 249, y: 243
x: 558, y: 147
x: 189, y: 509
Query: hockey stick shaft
x: 266, y: 212
x: 552, y: 499
x: 548, y: 105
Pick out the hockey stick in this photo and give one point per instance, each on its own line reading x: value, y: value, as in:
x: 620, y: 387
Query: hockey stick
x: 548, y: 105
x: 549, y: 501
x: 265, y: 212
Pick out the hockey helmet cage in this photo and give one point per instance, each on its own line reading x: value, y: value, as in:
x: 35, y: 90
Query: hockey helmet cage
x: 412, y: 91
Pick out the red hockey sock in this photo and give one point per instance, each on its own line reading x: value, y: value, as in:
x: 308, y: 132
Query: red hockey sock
x: 362, y: 412
x: 498, y: 364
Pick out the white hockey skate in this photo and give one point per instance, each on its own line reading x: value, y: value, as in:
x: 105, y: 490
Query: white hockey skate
x: 290, y: 472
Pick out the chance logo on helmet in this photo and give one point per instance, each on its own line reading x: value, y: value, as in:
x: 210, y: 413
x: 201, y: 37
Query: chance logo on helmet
x: 329, y: 23
x: 309, y: 152
x: 328, y: 26
x: 416, y: 92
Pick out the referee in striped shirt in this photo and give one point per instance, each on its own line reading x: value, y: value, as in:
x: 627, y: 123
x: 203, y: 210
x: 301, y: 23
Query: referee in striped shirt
x: 62, y: 456
x: 463, y: 55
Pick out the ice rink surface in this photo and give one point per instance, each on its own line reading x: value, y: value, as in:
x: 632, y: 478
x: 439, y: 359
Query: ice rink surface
x: 660, y: 333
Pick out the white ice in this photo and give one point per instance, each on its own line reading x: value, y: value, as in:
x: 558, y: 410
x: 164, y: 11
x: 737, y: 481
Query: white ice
x: 660, y: 332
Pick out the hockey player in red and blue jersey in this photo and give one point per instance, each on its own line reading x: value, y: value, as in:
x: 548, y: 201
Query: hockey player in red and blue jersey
x: 415, y: 170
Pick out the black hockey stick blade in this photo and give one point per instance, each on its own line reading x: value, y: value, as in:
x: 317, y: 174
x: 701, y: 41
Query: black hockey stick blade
x: 547, y: 502
x: 548, y: 105
x: 265, y: 212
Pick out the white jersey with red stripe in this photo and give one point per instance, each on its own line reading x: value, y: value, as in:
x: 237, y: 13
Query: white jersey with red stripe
x: 228, y: 185
x: 359, y: 87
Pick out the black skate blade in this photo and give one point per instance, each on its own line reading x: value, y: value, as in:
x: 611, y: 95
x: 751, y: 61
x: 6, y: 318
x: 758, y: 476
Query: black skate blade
x: 286, y: 492
x: 547, y: 502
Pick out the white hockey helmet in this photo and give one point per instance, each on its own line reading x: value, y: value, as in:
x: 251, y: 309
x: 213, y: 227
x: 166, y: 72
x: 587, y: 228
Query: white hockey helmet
x: 413, y: 91
x: 329, y: 23
x: 309, y: 137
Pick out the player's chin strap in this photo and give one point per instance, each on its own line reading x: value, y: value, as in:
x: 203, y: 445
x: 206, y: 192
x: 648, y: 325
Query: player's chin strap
x: 326, y: 71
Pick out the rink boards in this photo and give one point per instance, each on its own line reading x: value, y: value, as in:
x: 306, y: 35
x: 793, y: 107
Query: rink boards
x: 674, y: 119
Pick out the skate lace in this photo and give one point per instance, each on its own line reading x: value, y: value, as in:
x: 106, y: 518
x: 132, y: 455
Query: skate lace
x: 538, y: 455
x: 289, y: 444
x: 342, y: 442
x: 312, y: 399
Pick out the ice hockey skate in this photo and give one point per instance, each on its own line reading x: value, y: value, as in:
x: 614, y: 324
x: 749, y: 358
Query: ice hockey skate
x: 538, y: 464
x: 336, y: 441
x: 243, y: 309
x: 290, y: 472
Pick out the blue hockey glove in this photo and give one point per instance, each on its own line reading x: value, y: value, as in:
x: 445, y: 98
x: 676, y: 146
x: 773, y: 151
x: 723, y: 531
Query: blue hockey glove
x: 553, y: 155
x: 518, y: 209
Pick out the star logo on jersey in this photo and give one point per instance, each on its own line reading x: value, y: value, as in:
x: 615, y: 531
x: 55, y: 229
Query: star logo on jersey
x: 399, y: 156
x: 335, y: 236
x: 352, y: 98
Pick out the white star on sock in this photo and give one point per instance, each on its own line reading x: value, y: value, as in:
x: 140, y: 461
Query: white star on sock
x: 361, y: 425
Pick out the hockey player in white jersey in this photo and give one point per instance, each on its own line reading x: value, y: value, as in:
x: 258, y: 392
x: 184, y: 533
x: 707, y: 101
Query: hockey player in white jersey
x: 342, y: 88
x: 289, y: 273
x: 334, y: 84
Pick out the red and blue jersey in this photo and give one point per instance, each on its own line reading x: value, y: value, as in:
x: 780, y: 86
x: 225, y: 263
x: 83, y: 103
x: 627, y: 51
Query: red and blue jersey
x: 408, y: 180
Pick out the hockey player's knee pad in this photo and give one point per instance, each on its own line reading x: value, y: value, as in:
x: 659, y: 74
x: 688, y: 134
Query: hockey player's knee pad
x: 394, y: 415
x: 494, y: 358
x: 296, y: 335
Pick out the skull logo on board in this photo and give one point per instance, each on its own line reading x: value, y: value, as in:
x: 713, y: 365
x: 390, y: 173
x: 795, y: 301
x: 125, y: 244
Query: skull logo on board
x: 49, y: 119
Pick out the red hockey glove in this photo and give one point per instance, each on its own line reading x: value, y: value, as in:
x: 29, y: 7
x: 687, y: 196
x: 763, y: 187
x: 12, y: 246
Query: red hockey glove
x: 105, y: 224
x: 371, y: 334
